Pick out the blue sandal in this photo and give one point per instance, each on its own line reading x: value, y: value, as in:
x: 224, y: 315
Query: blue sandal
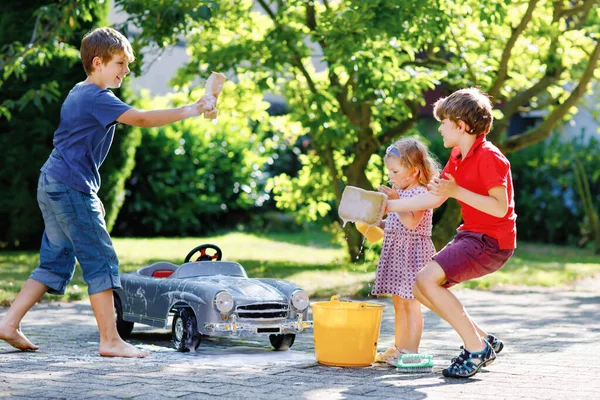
x: 469, y: 363
x: 496, y: 344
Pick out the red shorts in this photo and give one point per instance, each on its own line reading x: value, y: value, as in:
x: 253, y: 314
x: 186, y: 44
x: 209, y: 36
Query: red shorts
x: 471, y: 255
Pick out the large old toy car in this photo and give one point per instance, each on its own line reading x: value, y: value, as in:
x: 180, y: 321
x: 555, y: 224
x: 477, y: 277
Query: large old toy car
x: 210, y: 297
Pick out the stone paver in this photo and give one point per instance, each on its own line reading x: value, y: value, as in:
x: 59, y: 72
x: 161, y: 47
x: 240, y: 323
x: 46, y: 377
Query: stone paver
x: 549, y: 336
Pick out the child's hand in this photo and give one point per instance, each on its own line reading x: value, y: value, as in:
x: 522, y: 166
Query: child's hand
x: 443, y: 187
x: 391, y: 193
x: 208, y: 102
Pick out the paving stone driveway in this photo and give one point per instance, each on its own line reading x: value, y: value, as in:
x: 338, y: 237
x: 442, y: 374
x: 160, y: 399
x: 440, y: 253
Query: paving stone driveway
x: 550, y: 338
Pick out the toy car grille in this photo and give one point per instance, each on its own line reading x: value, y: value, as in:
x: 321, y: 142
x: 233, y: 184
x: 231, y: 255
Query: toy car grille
x: 263, y: 311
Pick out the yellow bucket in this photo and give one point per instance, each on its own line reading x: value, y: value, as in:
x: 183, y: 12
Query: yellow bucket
x: 346, y: 332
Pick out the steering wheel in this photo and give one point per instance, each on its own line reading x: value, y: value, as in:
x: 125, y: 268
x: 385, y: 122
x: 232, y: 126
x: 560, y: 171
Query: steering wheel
x: 203, y: 256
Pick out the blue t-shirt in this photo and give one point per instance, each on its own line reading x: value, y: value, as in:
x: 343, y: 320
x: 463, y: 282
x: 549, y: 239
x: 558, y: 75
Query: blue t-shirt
x: 86, y: 130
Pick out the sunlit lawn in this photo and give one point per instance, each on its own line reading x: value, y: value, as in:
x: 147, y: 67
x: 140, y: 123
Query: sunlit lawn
x: 309, y: 259
x: 542, y: 265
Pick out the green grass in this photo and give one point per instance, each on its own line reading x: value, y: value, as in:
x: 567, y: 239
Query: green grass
x: 542, y: 265
x: 309, y: 259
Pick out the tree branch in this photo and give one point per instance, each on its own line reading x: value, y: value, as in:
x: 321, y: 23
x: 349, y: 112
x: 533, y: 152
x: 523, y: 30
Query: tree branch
x: 522, y: 98
x: 296, y: 59
x: 516, y: 32
x: 311, y: 20
x: 584, y: 6
x: 268, y: 10
x: 469, y: 68
x: 544, y: 130
x: 425, y: 61
x: 342, y: 96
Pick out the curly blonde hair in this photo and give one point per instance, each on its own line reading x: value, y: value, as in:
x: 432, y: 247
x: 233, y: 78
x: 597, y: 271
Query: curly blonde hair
x: 414, y: 155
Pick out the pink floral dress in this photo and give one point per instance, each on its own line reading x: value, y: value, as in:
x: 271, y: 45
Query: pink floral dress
x: 404, y: 253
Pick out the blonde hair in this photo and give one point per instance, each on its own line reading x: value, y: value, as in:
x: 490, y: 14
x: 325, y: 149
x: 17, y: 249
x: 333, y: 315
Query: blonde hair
x: 471, y: 105
x: 103, y: 43
x: 413, y: 154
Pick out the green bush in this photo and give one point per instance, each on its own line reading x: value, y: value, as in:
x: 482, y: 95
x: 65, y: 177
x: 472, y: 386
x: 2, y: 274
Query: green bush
x: 26, y: 138
x: 194, y: 176
x: 547, y: 202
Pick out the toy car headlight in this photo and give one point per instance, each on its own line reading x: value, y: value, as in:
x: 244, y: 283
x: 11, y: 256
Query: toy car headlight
x: 224, y: 302
x: 299, y: 300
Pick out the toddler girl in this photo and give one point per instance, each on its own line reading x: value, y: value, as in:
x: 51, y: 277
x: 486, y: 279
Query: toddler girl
x: 407, y: 244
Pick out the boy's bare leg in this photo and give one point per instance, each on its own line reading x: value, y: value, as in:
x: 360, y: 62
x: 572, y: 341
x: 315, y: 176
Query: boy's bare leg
x: 423, y: 300
x: 429, y: 283
x: 111, y: 344
x: 10, y: 326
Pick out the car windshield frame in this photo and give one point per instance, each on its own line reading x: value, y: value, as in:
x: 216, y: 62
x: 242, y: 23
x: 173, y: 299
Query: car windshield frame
x: 199, y: 269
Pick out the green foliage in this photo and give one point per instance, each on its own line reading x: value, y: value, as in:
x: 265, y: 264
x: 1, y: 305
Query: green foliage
x: 547, y: 201
x: 39, y: 60
x: 158, y: 24
x: 54, y: 30
x: 194, y: 177
x: 378, y: 59
x: 35, y: 81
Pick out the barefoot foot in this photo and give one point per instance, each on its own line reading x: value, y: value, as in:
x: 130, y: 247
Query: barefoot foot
x: 16, y: 339
x: 120, y: 348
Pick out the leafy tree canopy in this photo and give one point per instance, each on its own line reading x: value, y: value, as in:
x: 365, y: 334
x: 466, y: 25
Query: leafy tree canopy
x: 379, y: 57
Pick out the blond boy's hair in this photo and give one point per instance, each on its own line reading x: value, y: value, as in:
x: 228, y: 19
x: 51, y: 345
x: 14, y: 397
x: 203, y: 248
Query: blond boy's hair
x: 103, y: 43
x: 413, y: 155
x: 471, y: 105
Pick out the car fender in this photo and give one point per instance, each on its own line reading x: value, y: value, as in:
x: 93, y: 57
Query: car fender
x: 188, y: 298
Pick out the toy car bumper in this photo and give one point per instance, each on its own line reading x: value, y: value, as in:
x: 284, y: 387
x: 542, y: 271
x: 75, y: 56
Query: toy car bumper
x: 235, y: 326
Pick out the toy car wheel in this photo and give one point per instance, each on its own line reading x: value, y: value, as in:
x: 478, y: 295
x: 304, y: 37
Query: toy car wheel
x: 185, y: 332
x: 282, y: 342
x: 123, y: 327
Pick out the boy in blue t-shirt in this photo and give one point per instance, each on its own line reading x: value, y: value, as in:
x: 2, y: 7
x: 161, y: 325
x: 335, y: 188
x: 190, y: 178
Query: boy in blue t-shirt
x: 68, y: 186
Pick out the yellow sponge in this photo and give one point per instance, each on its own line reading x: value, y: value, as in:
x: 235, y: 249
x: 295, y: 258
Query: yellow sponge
x: 371, y: 232
x: 362, y: 206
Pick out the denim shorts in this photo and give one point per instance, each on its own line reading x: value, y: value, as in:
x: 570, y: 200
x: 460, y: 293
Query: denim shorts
x: 471, y: 255
x: 74, y: 230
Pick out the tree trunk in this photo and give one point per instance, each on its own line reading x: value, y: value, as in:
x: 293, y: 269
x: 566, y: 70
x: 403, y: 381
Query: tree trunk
x: 445, y: 229
x: 355, y: 243
x: 353, y: 237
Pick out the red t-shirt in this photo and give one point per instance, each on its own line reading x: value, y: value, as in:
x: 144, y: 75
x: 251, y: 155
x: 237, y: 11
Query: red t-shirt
x: 483, y: 168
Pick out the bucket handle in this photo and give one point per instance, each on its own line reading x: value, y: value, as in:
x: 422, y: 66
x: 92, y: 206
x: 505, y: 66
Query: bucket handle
x: 336, y: 298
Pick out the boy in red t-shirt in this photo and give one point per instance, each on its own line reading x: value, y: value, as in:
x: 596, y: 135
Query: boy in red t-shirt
x: 478, y: 177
